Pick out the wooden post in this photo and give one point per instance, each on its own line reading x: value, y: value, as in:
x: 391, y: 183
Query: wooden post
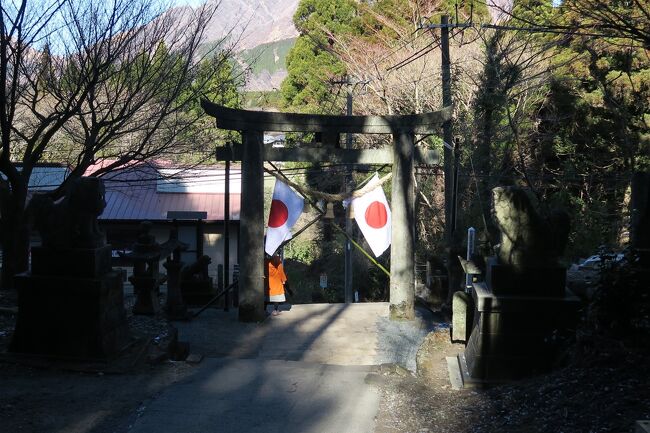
x: 251, y: 279
x: 226, y: 236
x: 199, y: 238
x: 402, y: 253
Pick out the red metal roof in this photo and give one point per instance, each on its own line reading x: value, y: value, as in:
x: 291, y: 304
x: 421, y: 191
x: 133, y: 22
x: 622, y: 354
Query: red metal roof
x: 132, y: 194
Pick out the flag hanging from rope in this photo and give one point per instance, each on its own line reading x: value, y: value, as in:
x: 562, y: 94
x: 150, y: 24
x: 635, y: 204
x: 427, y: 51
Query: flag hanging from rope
x: 286, y: 208
x: 372, y: 214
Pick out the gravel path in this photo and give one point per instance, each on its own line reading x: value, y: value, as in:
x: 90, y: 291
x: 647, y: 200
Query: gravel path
x: 399, y: 341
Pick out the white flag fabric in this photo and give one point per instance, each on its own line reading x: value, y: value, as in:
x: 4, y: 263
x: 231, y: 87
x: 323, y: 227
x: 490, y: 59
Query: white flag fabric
x: 286, y: 208
x: 372, y: 214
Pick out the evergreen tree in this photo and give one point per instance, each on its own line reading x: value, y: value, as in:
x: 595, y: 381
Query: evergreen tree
x: 312, y: 65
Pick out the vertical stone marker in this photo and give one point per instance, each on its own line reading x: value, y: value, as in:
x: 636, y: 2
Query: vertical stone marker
x: 462, y: 313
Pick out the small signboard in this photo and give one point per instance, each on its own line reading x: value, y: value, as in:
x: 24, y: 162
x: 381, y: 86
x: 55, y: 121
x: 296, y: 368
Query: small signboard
x: 323, y: 281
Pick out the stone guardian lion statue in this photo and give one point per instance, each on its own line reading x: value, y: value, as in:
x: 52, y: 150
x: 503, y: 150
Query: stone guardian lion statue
x: 71, y: 222
x: 526, y: 238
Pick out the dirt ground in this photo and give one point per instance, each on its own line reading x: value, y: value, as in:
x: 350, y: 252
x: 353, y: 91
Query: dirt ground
x: 605, y: 394
x: 62, y: 399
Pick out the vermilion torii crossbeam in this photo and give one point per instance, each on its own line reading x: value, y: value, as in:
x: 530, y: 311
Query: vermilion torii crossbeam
x: 253, y: 153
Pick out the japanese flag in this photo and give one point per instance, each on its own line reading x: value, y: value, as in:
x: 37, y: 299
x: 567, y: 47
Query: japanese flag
x: 372, y: 214
x: 286, y: 208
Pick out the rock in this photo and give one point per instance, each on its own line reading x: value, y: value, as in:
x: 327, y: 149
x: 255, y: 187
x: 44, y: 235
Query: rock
x: 393, y: 369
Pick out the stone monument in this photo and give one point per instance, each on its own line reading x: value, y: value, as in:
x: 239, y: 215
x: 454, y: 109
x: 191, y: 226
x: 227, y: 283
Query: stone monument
x: 522, y: 304
x: 529, y: 246
x: 70, y: 305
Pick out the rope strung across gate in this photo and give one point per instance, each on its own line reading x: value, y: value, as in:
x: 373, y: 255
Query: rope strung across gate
x: 327, y: 196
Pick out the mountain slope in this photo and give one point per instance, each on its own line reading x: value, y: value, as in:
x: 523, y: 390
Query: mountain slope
x: 252, y: 22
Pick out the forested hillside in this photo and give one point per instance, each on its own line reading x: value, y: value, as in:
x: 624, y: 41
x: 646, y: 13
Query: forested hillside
x: 266, y: 64
x: 267, y: 57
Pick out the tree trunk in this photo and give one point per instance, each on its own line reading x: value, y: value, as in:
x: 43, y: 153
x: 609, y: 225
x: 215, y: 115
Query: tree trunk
x: 14, y: 234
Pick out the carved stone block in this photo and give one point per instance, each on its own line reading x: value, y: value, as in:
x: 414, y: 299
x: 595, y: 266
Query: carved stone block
x: 533, y: 281
x: 513, y: 336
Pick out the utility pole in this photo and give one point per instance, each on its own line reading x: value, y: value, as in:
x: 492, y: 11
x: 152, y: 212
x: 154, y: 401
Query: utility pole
x: 348, y: 291
x: 447, y: 130
x: 449, y: 163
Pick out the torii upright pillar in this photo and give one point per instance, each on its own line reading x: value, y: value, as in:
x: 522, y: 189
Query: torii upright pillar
x: 251, y: 237
x: 402, y: 252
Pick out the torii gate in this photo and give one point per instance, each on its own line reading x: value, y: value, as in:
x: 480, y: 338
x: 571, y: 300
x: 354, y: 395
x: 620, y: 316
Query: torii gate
x: 402, y: 156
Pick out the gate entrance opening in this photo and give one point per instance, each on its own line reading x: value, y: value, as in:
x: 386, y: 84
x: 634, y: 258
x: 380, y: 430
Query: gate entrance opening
x: 402, y: 155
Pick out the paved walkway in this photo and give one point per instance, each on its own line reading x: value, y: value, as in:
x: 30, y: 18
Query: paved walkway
x: 302, y: 371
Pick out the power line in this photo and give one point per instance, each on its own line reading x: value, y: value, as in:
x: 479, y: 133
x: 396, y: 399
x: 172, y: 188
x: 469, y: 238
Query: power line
x: 421, y: 53
x: 560, y: 30
x: 415, y: 56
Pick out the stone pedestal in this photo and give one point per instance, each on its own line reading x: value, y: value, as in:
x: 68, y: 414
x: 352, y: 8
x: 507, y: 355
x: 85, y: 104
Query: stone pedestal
x: 513, y: 336
x: 73, y: 262
x: 70, y: 311
x: 537, y: 281
x: 197, y: 292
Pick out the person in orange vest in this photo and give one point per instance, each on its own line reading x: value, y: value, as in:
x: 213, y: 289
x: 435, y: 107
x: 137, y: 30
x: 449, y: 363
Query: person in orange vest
x: 275, y: 280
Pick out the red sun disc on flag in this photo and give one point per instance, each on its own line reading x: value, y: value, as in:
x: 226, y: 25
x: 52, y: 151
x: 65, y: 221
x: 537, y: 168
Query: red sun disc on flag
x: 279, y: 214
x: 376, y: 215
